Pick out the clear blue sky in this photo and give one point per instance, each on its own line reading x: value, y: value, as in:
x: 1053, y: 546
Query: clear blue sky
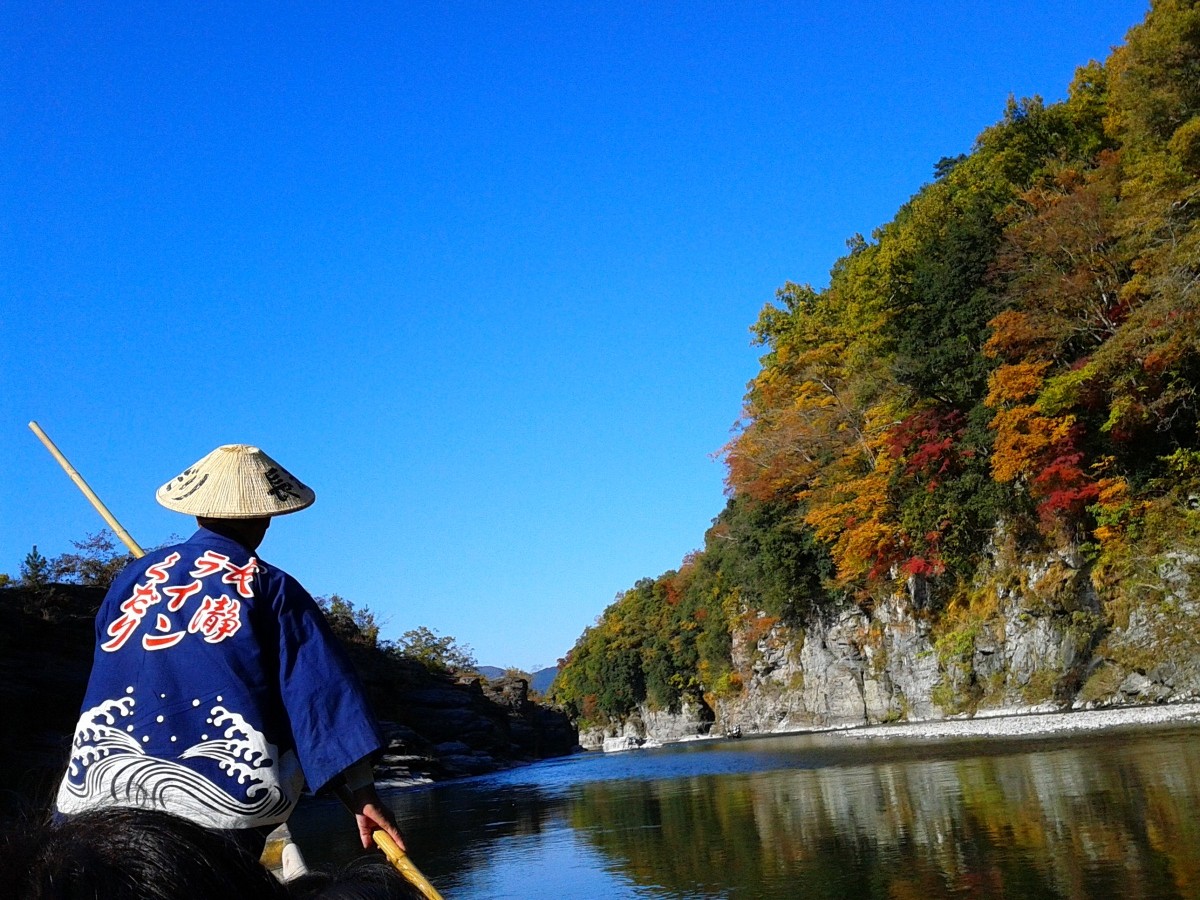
x: 482, y: 274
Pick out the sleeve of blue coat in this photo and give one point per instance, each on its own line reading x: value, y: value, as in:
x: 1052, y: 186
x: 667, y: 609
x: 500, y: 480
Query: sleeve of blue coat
x: 332, y: 723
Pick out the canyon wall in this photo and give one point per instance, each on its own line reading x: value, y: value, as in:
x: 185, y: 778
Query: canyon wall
x: 1035, y: 635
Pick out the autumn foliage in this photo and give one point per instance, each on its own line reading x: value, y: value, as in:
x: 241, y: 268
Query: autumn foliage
x: 1020, y: 345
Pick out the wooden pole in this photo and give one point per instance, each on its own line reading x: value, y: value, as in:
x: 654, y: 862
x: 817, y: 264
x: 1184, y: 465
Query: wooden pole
x: 120, y: 532
x: 383, y: 840
x: 399, y: 859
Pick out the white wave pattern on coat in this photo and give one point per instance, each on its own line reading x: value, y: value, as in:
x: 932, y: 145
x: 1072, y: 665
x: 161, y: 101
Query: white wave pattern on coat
x: 110, y: 767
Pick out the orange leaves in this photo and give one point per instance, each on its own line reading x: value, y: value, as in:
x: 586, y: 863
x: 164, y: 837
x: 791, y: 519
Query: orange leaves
x: 1041, y: 451
x: 806, y: 409
x: 1026, y: 440
x: 756, y: 627
x: 1063, y: 265
x: 792, y: 428
x: 1036, y: 448
x: 1015, y: 382
x: 801, y: 413
x: 855, y: 519
x: 1112, y: 492
x: 1018, y: 334
x: 1115, y: 508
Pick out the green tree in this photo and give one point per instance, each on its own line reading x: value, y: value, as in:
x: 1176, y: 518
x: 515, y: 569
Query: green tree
x: 353, y: 624
x: 768, y: 554
x: 438, y: 651
x: 943, y: 247
x: 35, y: 569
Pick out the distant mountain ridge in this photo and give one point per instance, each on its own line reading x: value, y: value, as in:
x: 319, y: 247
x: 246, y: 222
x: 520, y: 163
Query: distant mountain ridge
x: 539, y: 681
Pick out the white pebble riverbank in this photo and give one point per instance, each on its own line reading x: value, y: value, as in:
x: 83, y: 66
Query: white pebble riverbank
x: 1007, y: 723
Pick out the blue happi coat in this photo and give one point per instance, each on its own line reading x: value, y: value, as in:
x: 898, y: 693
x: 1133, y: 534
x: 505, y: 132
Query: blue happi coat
x: 216, y: 691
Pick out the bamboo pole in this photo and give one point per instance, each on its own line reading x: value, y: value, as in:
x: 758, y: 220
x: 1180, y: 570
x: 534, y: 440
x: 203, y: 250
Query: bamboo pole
x: 397, y: 857
x: 108, y: 517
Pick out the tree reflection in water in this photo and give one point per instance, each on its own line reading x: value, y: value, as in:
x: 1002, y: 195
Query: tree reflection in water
x: 1076, y: 823
x: 812, y: 817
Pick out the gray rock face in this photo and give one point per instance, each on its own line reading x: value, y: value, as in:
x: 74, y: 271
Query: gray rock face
x: 851, y: 670
x: 447, y: 727
x: 1046, y: 636
x: 592, y: 738
x: 832, y: 664
x: 624, y: 735
x: 694, y: 718
x: 909, y: 663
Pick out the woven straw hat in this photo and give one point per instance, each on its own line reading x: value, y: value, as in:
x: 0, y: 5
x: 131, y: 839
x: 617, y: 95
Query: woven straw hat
x: 235, y: 482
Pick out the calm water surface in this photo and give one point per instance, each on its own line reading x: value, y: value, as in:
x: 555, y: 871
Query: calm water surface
x: 813, y: 816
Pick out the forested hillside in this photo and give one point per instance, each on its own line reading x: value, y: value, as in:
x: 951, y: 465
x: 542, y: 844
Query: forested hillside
x: 1010, y: 365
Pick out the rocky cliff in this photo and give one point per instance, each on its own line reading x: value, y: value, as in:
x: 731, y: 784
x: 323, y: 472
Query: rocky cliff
x: 1035, y: 633
x: 442, y: 726
x: 439, y: 725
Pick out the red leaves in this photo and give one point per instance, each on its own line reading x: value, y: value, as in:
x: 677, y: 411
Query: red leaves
x: 926, y: 442
x: 671, y: 589
x: 1064, y: 489
x: 928, y: 562
x: 922, y: 567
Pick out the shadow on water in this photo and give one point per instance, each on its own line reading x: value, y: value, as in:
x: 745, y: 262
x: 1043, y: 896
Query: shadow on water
x: 815, y: 816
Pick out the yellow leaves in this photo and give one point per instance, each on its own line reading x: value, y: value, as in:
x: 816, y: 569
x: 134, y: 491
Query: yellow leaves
x: 1184, y: 145
x: 1066, y: 390
x: 1114, y: 492
x: 1125, y: 414
x: 1015, y: 382
x: 807, y: 409
x: 867, y: 546
x: 1115, y: 509
x: 798, y: 423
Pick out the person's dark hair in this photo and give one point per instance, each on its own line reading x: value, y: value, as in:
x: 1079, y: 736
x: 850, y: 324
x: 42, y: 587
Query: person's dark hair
x: 114, y: 854
x: 365, y: 878
x: 247, y: 532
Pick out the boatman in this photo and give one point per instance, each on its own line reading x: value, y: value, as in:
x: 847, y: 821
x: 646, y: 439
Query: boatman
x: 217, y: 688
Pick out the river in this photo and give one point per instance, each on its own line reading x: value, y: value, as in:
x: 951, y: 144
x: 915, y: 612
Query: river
x: 1107, y: 814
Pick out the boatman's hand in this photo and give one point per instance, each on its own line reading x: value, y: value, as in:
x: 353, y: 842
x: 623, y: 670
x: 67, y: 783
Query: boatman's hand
x: 371, y: 813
